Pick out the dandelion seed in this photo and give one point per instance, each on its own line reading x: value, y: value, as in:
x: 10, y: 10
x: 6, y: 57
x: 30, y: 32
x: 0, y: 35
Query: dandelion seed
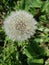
x: 19, y: 25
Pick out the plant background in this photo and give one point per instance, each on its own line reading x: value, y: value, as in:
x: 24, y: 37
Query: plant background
x: 34, y: 51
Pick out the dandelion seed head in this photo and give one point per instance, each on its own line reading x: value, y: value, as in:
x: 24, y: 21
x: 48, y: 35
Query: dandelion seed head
x: 20, y: 25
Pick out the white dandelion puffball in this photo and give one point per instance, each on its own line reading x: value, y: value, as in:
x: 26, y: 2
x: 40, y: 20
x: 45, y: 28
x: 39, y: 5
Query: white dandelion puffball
x: 19, y: 25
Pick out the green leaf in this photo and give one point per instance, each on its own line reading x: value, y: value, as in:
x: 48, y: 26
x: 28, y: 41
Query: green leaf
x: 35, y: 61
x: 36, y: 3
x: 31, y: 51
x: 45, y: 6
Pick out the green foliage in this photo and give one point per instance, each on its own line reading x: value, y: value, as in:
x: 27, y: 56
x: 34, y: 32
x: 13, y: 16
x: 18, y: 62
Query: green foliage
x: 34, y: 51
x: 35, y: 61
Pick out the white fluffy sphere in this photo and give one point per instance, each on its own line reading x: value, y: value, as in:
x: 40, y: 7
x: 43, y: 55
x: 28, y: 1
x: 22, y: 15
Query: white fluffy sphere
x: 19, y: 25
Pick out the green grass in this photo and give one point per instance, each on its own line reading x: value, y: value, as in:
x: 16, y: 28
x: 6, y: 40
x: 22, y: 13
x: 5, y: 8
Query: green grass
x: 34, y: 51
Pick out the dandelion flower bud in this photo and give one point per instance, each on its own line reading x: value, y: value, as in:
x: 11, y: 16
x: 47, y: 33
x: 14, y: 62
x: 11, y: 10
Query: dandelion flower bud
x: 19, y: 25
